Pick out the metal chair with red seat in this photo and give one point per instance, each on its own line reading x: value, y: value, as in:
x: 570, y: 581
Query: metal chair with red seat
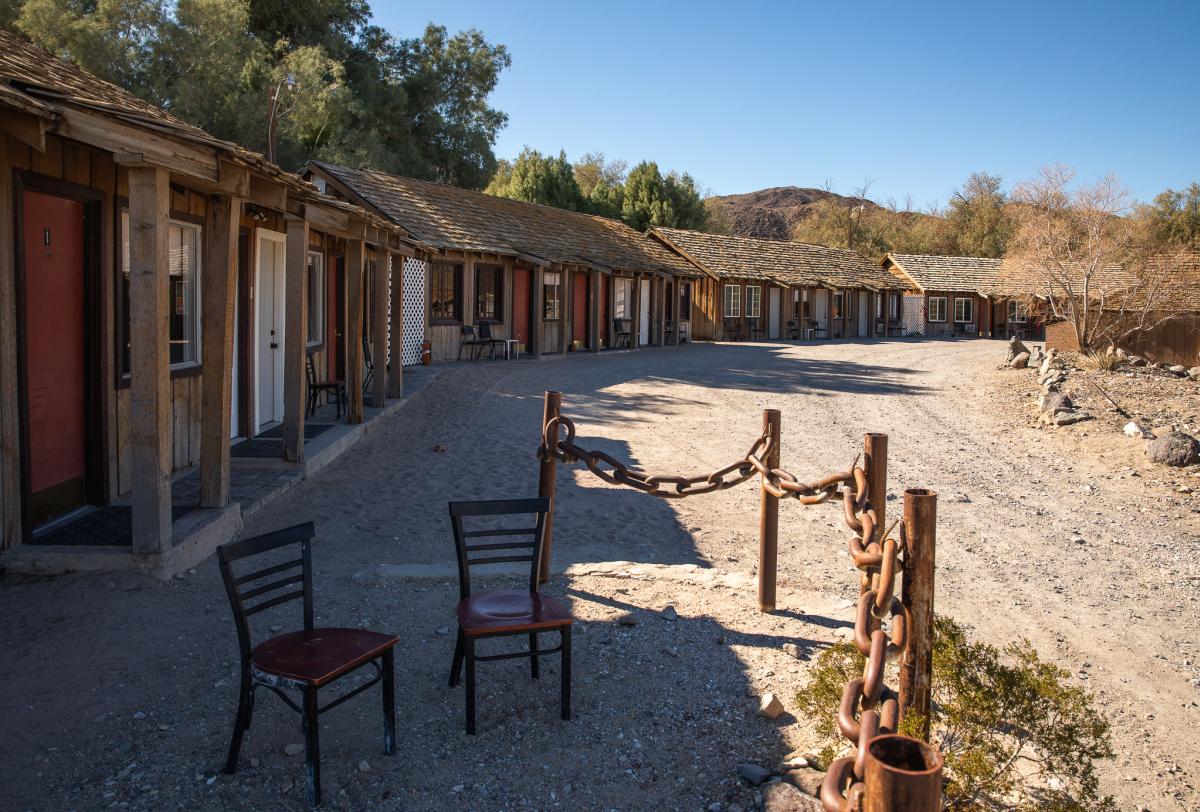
x: 503, y: 613
x: 305, y: 660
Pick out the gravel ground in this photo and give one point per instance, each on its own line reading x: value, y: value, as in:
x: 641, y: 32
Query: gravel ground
x: 122, y: 690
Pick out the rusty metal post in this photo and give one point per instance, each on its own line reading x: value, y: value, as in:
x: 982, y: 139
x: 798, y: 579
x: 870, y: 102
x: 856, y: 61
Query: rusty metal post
x: 547, y: 479
x: 902, y: 774
x: 768, y: 529
x: 916, y: 669
x: 875, y: 462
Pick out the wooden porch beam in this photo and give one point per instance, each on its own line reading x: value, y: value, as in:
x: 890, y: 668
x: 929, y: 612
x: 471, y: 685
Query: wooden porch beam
x: 395, y: 375
x: 150, y: 377
x: 219, y: 292
x: 354, y: 330
x: 26, y: 128
x: 379, y: 329
x: 268, y: 194
x: 157, y: 150
x: 295, y: 338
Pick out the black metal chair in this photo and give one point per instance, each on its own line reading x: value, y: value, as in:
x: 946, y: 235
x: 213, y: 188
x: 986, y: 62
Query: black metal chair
x: 502, y: 613
x: 470, y: 339
x: 304, y: 660
x: 623, y: 331
x: 755, y: 327
x: 369, y: 364
x: 487, y: 339
x: 315, y: 387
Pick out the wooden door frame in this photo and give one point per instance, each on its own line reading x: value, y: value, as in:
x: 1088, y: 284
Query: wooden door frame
x: 95, y: 399
x: 261, y: 234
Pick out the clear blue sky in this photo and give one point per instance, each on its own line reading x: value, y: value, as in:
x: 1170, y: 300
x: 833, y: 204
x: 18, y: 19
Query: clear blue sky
x: 746, y: 95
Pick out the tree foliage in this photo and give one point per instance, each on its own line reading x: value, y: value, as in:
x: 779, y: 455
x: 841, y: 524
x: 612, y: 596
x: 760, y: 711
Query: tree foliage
x: 1172, y: 221
x: 536, y: 178
x: 1015, y: 733
x: 413, y: 106
x: 979, y: 217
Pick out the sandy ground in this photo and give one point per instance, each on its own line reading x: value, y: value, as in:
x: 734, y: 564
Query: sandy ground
x: 121, y: 690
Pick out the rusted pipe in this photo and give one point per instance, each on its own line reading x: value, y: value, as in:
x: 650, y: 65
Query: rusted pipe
x: 901, y: 774
x: 548, y: 476
x: 768, y: 530
x: 920, y: 539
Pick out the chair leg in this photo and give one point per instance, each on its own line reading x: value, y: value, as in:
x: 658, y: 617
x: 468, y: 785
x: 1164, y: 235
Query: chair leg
x: 389, y: 703
x: 241, y: 724
x: 457, y: 663
x: 470, y: 653
x: 566, y: 674
x: 312, y: 745
x: 533, y: 654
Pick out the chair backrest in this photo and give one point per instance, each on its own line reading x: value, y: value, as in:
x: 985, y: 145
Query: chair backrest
x: 468, y: 331
x: 513, y: 544
x: 367, y: 353
x: 247, y: 597
x: 309, y: 371
x: 485, y: 330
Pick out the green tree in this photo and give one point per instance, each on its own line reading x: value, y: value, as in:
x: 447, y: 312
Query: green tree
x: 979, y: 217
x: 1172, y: 221
x: 601, y: 183
x: 537, y: 178
x: 650, y: 199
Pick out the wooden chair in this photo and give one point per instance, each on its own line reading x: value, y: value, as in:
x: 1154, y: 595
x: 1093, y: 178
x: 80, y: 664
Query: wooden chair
x: 503, y: 613
x: 315, y: 387
x: 622, y: 329
x: 305, y: 660
x: 470, y: 339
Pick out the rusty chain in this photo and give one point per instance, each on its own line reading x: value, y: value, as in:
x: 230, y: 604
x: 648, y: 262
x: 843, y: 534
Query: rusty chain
x: 877, y: 706
x: 879, y: 564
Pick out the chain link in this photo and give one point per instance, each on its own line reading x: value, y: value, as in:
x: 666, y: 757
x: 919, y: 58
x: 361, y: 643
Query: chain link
x: 879, y: 562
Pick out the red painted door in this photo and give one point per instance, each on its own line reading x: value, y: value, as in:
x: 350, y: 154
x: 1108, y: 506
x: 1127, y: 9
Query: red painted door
x: 521, y: 282
x: 579, y: 290
x: 603, y: 317
x: 54, y: 355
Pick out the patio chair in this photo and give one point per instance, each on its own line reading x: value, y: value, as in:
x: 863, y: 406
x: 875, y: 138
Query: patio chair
x: 793, y: 329
x: 502, y: 613
x: 733, y: 330
x: 305, y: 660
x: 315, y: 387
x: 470, y: 339
x: 668, y: 331
x: 369, y: 364
x: 487, y: 339
x: 756, y: 330
x: 622, y: 330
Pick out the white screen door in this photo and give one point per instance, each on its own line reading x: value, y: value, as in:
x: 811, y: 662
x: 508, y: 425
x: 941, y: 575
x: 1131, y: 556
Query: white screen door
x: 268, y: 327
x: 644, y: 329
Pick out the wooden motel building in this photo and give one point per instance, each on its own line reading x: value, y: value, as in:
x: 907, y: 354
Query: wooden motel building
x: 550, y: 280
x: 164, y: 298
x: 774, y: 289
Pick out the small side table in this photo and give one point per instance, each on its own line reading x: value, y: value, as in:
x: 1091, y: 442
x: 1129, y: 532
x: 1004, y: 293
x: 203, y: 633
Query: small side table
x: 512, y: 348
x: 809, y: 333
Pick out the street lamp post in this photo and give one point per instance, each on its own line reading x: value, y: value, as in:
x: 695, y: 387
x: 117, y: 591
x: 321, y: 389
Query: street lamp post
x: 289, y: 82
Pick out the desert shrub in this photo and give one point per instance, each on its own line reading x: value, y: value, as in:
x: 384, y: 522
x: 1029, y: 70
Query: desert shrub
x: 1015, y: 733
x: 1101, y: 361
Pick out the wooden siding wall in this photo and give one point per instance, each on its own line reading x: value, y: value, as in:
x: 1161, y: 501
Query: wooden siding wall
x: 446, y: 339
x: 1174, y: 342
x: 949, y: 327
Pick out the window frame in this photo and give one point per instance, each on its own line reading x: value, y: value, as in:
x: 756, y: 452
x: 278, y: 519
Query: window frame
x: 732, y: 304
x: 929, y: 316
x: 175, y: 219
x: 318, y: 279
x: 497, y: 292
x: 879, y: 305
x: 551, y: 281
x: 967, y: 318
x: 685, y: 301
x: 1017, y: 314
x: 755, y: 300
x: 838, y: 308
x: 435, y: 290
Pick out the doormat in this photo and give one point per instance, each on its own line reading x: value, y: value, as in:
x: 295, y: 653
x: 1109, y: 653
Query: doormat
x: 311, y: 430
x: 109, y: 526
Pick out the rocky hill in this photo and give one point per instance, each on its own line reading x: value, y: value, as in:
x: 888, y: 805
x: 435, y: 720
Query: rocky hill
x: 770, y: 213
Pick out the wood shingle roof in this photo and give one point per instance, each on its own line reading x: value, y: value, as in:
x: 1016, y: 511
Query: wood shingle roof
x: 452, y: 219
x: 782, y: 261
x: 928, y: 272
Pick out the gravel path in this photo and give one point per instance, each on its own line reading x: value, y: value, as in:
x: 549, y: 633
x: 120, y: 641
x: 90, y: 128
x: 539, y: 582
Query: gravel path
x: 122, y: 690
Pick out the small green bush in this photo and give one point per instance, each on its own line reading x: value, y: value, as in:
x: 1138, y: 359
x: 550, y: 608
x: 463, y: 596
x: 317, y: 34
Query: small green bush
x: 1015, y: 733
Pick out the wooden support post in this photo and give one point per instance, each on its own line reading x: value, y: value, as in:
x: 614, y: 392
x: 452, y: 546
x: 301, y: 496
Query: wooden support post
x: 354, y: 331
x: 11, y: 531
x: 768, y: 528
x: 219, y: 292
x: 150, y: 362
x: 547, y: 481
x: 678, y: 289
x: 537, y: 321
x: 395, y: 373
x: 875, y: 462
x: 295, y: 338
x: 379, y: 330
x: 901, y: 774
x: 635, y: 323
x: 916, y: 669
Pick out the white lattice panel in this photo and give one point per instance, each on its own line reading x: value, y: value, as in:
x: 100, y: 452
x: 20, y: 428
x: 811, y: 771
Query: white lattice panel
x: 414, y: 310
x: 912, y: 315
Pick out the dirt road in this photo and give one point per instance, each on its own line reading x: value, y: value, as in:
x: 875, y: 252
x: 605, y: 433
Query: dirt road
x: 105, y: 672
